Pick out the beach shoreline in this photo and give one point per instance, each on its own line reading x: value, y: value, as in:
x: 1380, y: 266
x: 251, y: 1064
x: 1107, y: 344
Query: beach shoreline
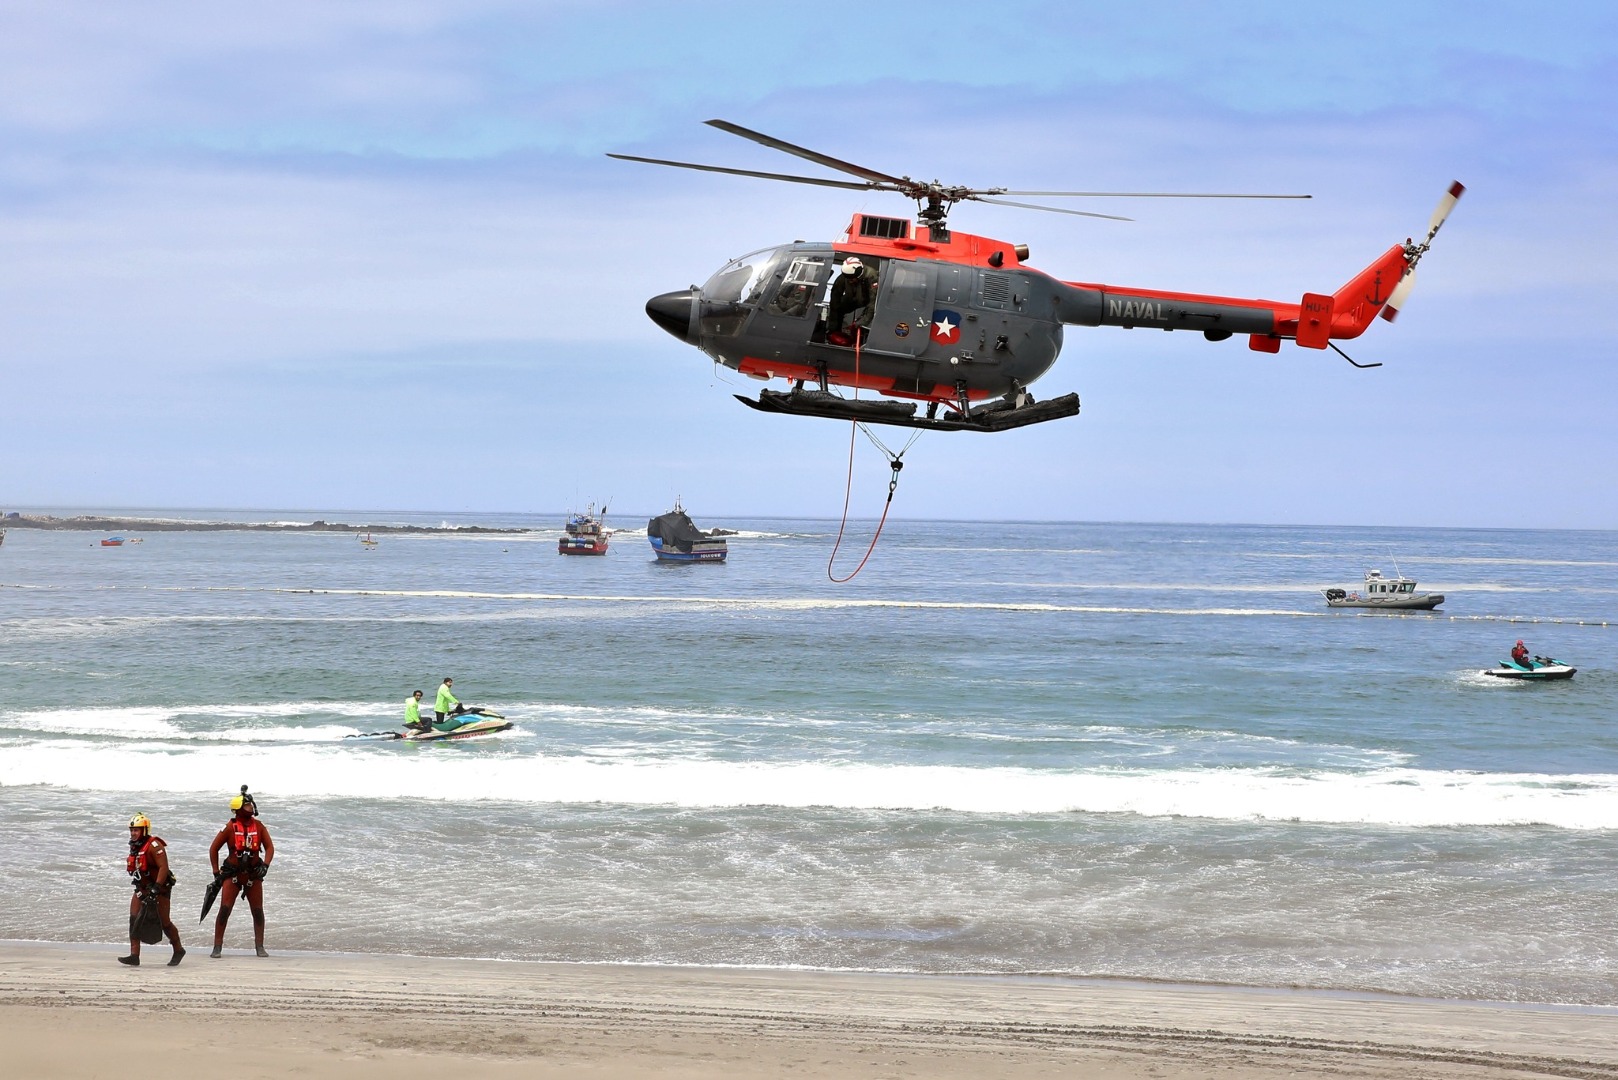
x: 78, y: 1013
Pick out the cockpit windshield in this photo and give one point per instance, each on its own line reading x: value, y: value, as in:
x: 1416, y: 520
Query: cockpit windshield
x: 742, y: 281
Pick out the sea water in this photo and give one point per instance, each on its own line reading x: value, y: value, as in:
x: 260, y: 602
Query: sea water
x: 1142, y: 751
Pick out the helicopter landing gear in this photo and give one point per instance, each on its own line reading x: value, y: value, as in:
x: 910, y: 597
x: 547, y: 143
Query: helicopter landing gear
x: 997, y: 415
x: 960, y: 397
x: 820, y: 372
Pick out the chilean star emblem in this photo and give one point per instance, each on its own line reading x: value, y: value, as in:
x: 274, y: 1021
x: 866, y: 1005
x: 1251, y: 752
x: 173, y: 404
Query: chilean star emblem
x: 946, y: 327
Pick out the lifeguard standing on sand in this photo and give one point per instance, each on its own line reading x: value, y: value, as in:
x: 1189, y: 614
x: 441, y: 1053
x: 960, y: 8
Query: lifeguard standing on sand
x: 149, y: 872
x: 250, y: 852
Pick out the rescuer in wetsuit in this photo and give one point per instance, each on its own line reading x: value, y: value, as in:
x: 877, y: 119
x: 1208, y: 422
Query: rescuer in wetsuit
x: 148, y: 867
x: 250, y: 852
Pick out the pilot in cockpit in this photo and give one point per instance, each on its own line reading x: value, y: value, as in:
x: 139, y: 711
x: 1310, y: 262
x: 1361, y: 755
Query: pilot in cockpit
x: 793, y: 300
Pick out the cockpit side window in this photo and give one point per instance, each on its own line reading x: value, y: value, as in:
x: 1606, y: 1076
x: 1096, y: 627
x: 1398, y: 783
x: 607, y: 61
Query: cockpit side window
x: 799, y: 285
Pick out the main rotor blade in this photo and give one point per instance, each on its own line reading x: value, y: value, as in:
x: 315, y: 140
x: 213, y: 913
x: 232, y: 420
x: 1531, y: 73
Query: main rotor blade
x: 1051, y: 209
x: 749, y: 172
x: 1150, y: 195
x: 807, y: 155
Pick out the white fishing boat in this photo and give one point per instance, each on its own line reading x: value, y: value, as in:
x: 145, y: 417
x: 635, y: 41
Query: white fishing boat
x: 1396, y: 593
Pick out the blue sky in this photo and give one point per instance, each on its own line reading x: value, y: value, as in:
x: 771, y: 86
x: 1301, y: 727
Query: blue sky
x: 372, y: 255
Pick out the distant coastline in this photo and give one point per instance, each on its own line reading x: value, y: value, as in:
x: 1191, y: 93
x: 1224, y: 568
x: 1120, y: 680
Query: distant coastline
x: 92, y: 523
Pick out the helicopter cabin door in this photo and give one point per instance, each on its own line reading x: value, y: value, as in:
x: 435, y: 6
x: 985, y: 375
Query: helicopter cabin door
x: 904, y: 309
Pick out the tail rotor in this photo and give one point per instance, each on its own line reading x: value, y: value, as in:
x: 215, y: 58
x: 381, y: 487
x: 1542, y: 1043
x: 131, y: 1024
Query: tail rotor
x: 1414, y: 251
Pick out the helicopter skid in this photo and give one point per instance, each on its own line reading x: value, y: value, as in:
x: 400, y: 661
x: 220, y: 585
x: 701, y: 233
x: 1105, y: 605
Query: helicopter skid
x: 997, y: 416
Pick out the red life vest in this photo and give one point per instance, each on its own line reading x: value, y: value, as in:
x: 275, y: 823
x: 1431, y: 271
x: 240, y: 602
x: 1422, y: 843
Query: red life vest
x: 142, y: 861
x: 245, y: 843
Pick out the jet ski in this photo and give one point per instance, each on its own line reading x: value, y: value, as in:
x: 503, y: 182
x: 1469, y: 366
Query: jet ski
x: 1540, y: 667
x: 487, y: 723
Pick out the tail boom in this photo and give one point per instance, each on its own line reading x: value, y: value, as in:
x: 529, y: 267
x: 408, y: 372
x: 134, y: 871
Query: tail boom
x: 1312, y: 322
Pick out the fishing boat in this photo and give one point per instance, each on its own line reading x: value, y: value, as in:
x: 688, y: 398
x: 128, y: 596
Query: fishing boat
x: 675, y: 539
x: 1396, y: 593
x: 585, y: 534
x: 1538, y: 669
x: 113, y: 541
x: 366, y: 541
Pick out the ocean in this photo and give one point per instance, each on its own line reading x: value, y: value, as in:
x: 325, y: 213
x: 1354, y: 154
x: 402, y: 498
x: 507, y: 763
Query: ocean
x: 1065, y: 749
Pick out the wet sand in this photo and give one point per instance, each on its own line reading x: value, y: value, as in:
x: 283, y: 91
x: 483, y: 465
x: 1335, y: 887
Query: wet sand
x: 72, y: 1012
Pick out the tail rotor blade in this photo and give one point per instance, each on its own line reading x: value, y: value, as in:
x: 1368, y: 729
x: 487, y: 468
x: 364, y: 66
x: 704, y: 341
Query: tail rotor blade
x: 1445, y: 205
x: 1401, y: 292
x: 1414, y: 251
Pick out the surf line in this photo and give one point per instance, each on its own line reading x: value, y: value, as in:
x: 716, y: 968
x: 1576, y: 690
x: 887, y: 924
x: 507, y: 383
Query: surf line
x: 1530, y: 619
x: 723, y: 601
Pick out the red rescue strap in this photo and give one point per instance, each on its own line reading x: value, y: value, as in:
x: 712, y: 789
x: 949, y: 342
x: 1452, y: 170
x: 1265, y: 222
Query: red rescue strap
x: 848, y: 487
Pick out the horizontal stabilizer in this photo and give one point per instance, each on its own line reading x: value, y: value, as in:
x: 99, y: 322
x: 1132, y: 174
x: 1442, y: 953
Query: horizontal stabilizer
x: 1314, y: 320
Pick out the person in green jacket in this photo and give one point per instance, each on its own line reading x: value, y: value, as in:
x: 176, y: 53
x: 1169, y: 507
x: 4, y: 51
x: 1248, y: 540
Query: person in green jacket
x: 447, y: 706
x: 413, y: 721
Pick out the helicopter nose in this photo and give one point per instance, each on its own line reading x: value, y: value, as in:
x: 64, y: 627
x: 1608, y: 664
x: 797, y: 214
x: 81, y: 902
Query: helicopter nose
x: 675, y: 312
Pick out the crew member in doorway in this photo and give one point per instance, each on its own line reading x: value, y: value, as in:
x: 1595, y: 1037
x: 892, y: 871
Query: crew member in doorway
x: 850, y: 306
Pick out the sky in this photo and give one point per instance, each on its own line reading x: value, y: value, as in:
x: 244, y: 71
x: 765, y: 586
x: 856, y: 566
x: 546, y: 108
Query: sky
x: 372, y: 256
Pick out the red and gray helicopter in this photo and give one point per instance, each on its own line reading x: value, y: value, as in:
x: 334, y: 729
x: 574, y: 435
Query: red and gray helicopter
x: 961, y: 323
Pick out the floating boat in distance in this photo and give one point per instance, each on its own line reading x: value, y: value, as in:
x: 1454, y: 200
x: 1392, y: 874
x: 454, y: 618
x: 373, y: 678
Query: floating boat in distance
x: 1397, y: 593
x: 1537, y: 669
x: 675, y: 539
x: 113, y: 541
x: 366, y: 541
x: 586, y: 534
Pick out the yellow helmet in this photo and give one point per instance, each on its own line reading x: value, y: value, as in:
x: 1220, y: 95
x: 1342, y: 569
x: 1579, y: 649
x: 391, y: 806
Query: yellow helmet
x: 140, y: 821
x: 236, y: 803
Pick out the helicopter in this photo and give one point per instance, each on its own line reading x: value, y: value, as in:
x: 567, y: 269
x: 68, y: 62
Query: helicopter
x: 958, y: 323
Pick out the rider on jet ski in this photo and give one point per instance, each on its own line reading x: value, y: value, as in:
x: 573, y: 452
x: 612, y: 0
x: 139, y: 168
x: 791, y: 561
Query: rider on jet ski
x: 413, y: 720
x: 1519, y: 654
x: 447, y: 710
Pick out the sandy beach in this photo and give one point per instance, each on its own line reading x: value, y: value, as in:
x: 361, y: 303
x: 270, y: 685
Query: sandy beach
x: 73, y: 1012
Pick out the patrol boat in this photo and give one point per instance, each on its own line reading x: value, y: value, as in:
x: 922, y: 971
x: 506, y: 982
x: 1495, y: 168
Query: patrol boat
x: 1397, y: 593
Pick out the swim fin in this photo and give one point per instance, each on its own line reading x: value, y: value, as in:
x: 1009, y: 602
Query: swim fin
x: 212, y: 894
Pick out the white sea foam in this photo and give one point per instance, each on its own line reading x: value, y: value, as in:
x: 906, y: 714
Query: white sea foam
x: 746, y: 603
x: 1432, y: 560
x: 147, y: 724
x: 1380, y: 797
